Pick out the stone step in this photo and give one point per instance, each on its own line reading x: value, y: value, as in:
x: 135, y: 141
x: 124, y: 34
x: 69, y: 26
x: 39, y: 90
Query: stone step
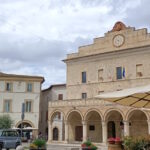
x: 70, y: 147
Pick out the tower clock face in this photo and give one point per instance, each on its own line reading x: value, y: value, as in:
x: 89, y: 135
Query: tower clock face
x: 118, y: 40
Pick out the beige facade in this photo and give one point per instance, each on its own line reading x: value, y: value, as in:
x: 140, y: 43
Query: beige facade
x: 18, y: 89
x: 55, y: 92
x: 117, y: 61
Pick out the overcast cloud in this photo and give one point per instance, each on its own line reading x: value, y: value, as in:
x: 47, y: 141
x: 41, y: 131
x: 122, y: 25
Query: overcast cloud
x: 35, y: 35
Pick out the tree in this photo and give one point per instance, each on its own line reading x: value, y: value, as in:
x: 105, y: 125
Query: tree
x: 5, y: 122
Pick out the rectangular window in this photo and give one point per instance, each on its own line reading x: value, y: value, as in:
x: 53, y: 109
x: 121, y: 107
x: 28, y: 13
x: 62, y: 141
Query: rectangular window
x: 120, y: 72
x: 139, y: 70
x: 28, y: 106
x: 100, y: 92
x: 60, y: 96
x: 7, y: 106
x: 83, y: 77
x: 29, y: 87
x: 91, y: 127
x: 8, y: 86
x: 100, y: 75
x: 84, y: 95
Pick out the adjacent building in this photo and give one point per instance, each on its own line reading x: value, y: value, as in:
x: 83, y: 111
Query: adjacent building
x: 56, y: 93
x: 16, y: 90
x: 119, y: 60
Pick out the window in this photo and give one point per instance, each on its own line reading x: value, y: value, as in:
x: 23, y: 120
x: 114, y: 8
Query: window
x: 84, y: 95
x: 100, y: 75
x: 100, y: 92
x: 91, y: 127
x: 7, y: 106
x: 28, y: 106
x: 8, y: 86
x: 83, y: 77
x: 29, y: 87
x: 60, y: 96
x: 120, y: 72
x: 10, y: 133
x: 139, y: 70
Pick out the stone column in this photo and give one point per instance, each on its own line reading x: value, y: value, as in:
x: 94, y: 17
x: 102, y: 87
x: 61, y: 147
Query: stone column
x: 126, y: 128
x: 49, y: 131
x: 66, y: 132
x: 84, y: 123
x: 148, y: 122
x: 104, y: 131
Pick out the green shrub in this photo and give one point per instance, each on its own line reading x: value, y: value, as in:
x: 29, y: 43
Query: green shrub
x: 5, y: 122
x: 40, y: 143
x: 136, y: 143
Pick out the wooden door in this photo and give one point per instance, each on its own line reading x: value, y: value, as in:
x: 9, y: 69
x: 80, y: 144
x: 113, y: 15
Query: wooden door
x: 78, y: 133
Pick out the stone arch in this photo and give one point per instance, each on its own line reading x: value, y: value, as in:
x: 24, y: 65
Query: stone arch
x: 76, y: 110
x: 93, y: 109
x: 25, y: 121
x: 55, y: 111
x: 129, y: 113
x: 57, y: 120
x: 137, y: 119
x: 113, y: 109
x: 114, y: 119
x: 75, y: 128
x: 93, y: 119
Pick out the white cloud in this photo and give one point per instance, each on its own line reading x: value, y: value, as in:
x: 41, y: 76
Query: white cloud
x: 36, y: 35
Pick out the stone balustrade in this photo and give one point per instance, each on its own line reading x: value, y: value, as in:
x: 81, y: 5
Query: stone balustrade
x: 79, y: 102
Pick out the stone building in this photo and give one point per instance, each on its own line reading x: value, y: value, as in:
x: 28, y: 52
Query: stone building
x: 53, y: 93
x: 117, y: 61
x: 18, y: 89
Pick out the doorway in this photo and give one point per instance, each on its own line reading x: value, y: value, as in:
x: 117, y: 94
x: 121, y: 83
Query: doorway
x: 111, y: 129
x: 55, y: 134
x: 78, y: 133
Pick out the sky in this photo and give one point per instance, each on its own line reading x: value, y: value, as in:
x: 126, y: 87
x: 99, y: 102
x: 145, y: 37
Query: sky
x: 36, y: 35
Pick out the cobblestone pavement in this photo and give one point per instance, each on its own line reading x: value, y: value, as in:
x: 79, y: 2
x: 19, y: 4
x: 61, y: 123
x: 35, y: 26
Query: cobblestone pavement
x: 62, y: 147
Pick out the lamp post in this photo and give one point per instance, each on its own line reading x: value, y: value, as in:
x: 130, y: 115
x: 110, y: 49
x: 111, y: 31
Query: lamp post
x: 22, y: 117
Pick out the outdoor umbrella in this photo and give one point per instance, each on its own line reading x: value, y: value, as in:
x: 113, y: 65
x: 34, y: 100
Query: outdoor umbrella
x: 137, y: 97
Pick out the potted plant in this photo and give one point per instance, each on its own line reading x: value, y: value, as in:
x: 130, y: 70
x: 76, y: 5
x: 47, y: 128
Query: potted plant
x: 88, y: 146
x: 111, y: 140
x: 118, y: 140
x: 38, y: 144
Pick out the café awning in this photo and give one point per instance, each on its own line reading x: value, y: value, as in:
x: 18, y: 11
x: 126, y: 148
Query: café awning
x: 135, y: 97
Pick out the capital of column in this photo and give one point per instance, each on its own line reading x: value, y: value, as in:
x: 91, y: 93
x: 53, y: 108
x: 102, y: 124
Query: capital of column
x: 126, y: 122
x: 148, y: 121
x: 104, y: 123
x: 84, y: 122
x: 49, y: 122
x: 66, y: 122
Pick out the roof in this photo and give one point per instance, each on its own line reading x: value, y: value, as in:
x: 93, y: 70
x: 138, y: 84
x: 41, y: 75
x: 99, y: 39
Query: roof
x: 54, y: 85
x: 5, y: 75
